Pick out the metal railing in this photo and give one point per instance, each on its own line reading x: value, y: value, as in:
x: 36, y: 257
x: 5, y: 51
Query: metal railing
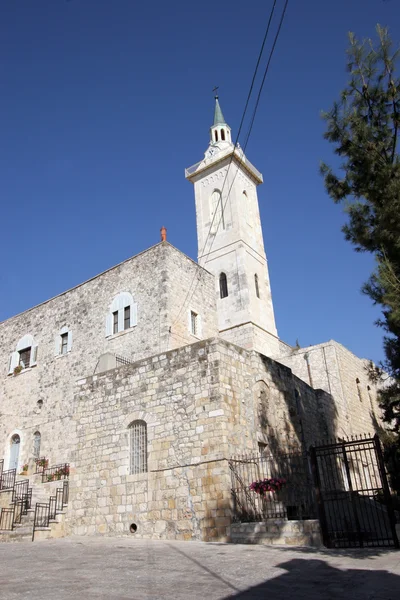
x: 6, y: 519
x: 44, y: 513
x: 121, y: 360
x: 7, y: 479
x: 41, y: 518
x: 20, y: 489
x: 56, y: 473
x: 41, y: 464
x: 1, y: 466
x: 296, y: 499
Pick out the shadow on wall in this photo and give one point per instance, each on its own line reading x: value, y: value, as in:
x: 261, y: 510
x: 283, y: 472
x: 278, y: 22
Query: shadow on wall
x: 310, y: 415
x: 317, y: 579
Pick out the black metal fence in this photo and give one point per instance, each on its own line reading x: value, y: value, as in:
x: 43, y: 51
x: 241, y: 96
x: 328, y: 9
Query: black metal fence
x: 55, y: 473
x: 7, y: 479
x: 6, y: 519
x: 296, y: 499
x: 44, y: 513
x: 354, y: 499
x: 121, y: 360
x: 41, y: 464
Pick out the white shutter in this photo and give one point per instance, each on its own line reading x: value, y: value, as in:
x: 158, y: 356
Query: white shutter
x: 14, y: 361
x: 133, y: 314
x: 109, y: 324
x: 57, y: 345
x: 33, y: 355
x: 69, y: 344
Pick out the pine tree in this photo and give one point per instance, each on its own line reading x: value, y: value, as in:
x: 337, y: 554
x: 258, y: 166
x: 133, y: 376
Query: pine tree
x: 364, y: 126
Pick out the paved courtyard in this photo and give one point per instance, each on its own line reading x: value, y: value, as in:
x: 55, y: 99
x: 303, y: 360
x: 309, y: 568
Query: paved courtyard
x: 127, y: 568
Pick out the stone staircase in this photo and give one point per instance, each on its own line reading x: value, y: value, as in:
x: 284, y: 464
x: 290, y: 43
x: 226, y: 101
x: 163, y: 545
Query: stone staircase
x: 41, y: 494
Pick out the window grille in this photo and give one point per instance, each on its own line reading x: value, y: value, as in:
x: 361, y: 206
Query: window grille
x: 223, y: 285
x: 194, y: 322
x: 138, y: 447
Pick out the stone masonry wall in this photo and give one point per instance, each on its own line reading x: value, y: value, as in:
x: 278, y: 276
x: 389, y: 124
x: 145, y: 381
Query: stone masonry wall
x: 200, y: 409
x: 334, y: 369
x: 41, y: 398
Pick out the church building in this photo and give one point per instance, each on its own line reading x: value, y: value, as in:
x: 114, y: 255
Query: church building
x: 150, y: 376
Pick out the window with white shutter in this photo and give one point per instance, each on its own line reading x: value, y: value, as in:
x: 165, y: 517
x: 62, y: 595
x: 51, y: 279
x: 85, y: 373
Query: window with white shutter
x: 24, y: 356
x: 122, y: 314
x: 63, y: 342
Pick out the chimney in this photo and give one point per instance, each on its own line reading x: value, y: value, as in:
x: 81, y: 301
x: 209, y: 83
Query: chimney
x: 163, y: 232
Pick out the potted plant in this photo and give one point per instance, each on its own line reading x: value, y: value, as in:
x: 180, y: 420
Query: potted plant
x: 262, y: 486
x: 17, y: 369
x: 24, y: 469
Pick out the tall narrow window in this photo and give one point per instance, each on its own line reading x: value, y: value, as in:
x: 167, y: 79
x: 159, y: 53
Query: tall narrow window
x: 256, y: 285
x: 64, y: 343
x: 358, y: 389
x: 36, y: 444
x: 127, y: 317
x: 216, y: 135
x: 25, y: 357
x: 222, y: 135
x: 194, y: 328
x: 138, y: 447
x: 223, y: 286
x: 115, y: 322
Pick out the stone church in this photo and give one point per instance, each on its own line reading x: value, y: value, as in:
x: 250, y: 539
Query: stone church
x: 147, y: 378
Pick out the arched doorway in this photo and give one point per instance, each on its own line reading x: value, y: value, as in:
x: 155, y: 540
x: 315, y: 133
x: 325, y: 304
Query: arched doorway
x: 14, y: 451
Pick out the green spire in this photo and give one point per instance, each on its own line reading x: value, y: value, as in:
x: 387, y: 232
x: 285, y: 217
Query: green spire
x: 218, y: 116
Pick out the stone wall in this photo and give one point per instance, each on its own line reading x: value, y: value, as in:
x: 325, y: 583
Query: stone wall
x: 41, y: 398
x: 332, y: 368
x: 201, y: 406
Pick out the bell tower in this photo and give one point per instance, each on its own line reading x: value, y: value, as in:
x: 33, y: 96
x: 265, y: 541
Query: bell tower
x: 230, y: 240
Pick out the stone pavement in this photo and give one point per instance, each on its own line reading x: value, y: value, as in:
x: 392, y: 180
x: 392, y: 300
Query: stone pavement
x: 128, y: 568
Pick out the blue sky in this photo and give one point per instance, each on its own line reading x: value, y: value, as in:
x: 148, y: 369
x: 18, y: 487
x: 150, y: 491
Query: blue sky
x: 103, y: 103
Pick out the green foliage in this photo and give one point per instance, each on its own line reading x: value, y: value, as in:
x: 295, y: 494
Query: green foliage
x: 364, y: 128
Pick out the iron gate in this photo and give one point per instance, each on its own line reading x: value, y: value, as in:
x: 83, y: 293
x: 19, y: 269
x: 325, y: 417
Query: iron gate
x: 353, y: 494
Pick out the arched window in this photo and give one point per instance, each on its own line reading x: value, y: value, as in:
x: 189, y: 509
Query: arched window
x: 36, y: 444
x: 217, y: 211
x: 223, y: 285
x: 122, y: 314
x: 256, y: 285
x: 138, y: 447
x: 14, y: 451
x: 216, y: 135
x: 222, y: 135
x: 24, y: 356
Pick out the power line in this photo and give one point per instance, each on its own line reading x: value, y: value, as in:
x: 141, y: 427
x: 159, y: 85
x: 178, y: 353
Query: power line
x: 231, y: 159
x: 254, y: 114
x: 247, y: 137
